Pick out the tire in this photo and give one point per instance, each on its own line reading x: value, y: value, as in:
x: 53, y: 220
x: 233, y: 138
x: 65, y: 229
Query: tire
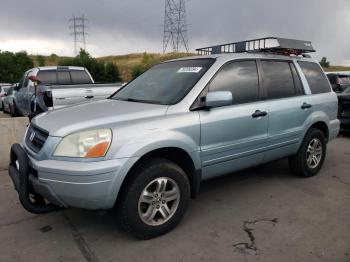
x: 3, y: 108
x: 299, y: 163
x: 13, y: 110
x: 148, y: 176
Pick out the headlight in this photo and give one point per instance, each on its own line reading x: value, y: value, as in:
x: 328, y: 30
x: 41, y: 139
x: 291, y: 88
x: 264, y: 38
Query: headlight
x: 88, y: 144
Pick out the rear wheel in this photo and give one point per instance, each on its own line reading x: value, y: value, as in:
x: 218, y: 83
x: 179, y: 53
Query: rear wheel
x: 155, y: 199
x: 3, y: 107
x: 13, y: 110
x: 310, y: 157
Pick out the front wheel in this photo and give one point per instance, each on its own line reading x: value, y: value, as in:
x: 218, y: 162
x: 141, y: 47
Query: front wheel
x: 310, y: 157
x: 155, y: 199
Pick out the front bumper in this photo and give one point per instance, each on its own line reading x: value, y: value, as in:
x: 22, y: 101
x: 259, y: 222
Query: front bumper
x: 89, y: 185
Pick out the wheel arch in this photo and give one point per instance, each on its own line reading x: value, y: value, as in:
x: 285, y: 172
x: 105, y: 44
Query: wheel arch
x: 321, y: 125
x: 175, y: 154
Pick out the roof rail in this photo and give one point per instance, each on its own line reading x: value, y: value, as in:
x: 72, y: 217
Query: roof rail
x: 274, y: 45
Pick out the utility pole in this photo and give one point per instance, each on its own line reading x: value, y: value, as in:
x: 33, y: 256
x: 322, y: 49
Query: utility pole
x: 78, y: 27
x: 175, y: 26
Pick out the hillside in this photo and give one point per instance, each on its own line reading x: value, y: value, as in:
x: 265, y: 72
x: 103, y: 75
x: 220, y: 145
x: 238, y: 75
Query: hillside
x: 126, y: 63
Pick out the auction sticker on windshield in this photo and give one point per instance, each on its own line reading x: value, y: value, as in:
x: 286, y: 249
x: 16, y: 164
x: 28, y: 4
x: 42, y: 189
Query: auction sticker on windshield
x: 194, y: 69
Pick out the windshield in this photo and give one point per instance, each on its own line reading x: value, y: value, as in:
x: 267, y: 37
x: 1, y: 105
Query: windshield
x: 166, y: 83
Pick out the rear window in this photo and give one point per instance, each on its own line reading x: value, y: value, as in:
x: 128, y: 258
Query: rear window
x: 314, y: 75
x: 48, y: 77
x: 63, y: 78
x: 80, y: 77
x: 278, y: 79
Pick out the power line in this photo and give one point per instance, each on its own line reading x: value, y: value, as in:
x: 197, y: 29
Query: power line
x: 78, y: 27
x: 175, y: 26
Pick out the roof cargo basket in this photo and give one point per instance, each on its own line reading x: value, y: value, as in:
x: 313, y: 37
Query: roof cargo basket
x: 274, y: 45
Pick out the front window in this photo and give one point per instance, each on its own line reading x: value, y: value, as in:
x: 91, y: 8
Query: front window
x: 166, y: 83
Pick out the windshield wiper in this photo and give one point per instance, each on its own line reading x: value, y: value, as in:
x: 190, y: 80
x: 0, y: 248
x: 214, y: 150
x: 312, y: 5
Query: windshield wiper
x: 138, y: 100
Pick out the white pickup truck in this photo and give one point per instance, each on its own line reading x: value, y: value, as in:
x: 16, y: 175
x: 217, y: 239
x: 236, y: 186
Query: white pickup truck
x: 59, y: 86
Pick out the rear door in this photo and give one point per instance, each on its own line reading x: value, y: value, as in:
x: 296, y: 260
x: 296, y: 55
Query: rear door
x: 288, y: 107
x: 234, y: 136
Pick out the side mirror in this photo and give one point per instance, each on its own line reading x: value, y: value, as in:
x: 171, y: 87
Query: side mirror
x: 218, y: 98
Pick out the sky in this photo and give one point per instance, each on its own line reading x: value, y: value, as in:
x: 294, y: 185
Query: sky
x: 130, y: 26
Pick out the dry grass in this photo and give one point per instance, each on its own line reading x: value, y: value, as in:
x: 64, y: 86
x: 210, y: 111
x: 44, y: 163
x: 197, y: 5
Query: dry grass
x: 337, y: 68
x: 126, y: 63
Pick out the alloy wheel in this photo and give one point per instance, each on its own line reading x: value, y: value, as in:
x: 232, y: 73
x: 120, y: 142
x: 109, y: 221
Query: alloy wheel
x: 314, y: 153
x: 159, y: 201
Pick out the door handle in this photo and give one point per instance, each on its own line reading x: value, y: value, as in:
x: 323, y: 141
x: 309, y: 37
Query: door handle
x: 89, y: 97
x: 305, y: 106
x: 259, y: 113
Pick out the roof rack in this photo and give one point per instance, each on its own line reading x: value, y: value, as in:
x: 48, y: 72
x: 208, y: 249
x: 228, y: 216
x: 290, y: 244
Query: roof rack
x: 274, y: 45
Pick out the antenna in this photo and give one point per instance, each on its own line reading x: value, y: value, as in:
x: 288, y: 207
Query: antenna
x: 175, y: 26
x: 78, y: 27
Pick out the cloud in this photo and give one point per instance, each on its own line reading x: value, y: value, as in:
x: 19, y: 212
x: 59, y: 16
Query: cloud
x: 123, y: 26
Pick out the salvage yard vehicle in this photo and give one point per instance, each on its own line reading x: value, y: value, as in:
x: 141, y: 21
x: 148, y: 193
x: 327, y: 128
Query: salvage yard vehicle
x: 3, y: 91
x: 56, y: 87
x: 344, y: 110
x: 7, y: 101
x: 339, y: 80
x: 146, y: 149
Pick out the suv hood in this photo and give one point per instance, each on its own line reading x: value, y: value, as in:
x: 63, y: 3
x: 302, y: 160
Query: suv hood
x: 61, y: 122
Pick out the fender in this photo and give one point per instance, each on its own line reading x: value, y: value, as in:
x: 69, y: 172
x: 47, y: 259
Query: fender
x: 317, y: 116
x: 150, y: 143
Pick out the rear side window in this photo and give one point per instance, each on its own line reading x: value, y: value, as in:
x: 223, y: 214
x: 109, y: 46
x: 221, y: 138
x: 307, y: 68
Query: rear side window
x: 241, y: 79
x: 80, y: 77
x: 278, y: 79
x: 63, y: 78
x: 318, y: 83
x: 48, y: 77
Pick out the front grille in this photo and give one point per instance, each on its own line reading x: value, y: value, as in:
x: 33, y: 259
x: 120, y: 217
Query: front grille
x: 35, y: 138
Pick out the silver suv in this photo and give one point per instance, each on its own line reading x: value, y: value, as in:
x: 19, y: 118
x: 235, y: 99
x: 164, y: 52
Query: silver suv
x: 146, y: 149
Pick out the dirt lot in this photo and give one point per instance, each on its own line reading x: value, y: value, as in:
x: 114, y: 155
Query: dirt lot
x: 262, y: 214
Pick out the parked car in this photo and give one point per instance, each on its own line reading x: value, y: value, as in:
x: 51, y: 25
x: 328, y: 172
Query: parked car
x: 344, y: 110
x: 146, y: 149
x: 58, y: 87
x: 339, y: 80
x: 3, y: 90
x: 7, y: 101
